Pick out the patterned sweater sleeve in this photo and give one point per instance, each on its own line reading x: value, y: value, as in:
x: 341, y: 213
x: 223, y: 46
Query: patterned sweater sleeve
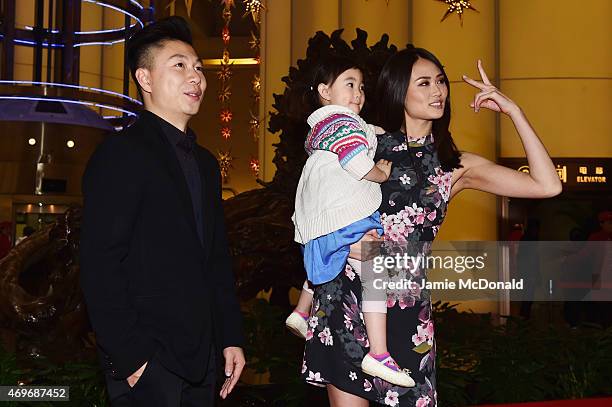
x: 343, y: 135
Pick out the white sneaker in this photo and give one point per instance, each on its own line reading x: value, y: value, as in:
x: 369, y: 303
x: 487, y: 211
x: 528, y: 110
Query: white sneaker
x: 297, y: 324
x: 387, y: 370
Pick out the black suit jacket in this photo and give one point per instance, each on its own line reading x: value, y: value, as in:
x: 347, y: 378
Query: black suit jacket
x: 150, y: 285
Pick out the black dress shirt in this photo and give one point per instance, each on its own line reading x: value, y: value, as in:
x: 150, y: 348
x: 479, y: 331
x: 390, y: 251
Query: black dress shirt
x: 182, y: 144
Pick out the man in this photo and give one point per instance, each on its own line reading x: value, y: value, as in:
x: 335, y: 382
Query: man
x: 155, y: 267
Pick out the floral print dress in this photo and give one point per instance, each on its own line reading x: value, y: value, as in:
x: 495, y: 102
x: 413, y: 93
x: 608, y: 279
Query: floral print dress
x: 414, y: 204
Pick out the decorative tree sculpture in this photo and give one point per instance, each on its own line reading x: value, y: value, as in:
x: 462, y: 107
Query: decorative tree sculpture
x: 259, y: 221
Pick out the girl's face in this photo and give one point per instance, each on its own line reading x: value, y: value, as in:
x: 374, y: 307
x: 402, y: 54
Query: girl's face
x: 427, y: 92
x: 347, y: 91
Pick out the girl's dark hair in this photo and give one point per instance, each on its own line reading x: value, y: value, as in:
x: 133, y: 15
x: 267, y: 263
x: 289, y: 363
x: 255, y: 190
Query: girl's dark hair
x: 326, y: 71
x: 143, y: 42
x: 391, y: 93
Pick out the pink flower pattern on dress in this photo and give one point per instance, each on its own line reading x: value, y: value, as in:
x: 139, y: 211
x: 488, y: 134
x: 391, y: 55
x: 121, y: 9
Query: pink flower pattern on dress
x: 425, y: 333
x: 423, y: 401
x: 443, y: 181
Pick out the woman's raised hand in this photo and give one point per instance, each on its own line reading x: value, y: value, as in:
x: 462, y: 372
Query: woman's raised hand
x: 489, y: 96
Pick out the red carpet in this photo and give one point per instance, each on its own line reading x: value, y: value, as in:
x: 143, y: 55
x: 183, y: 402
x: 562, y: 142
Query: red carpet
x: 607, y: 402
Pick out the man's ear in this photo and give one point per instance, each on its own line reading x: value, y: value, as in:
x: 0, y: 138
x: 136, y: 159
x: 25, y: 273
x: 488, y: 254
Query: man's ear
x: 323, y: 90
x: 143, y: 76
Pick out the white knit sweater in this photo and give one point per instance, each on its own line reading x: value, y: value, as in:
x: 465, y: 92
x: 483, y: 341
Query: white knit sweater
x: 330, y: 197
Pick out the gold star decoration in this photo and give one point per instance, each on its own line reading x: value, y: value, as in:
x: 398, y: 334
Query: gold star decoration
x: 256, y: 83
x: 225, y: 60
x: 225, y: 73
x: 457, y: 6
x: 225, y: 163
x: 225, y: 35
x: 224, y: 94
x: 254, y: 126
x: 227, y: 15
x: 254, y: 7
x: 225, y: 115
x: 254, y: 42
x: 226, y: 132
x: 254, y: 165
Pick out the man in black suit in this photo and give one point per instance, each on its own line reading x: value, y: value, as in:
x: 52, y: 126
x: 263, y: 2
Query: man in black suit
x: 155, y: 266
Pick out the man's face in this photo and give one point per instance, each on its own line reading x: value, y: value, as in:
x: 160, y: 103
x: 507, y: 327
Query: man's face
x: 175, y: 84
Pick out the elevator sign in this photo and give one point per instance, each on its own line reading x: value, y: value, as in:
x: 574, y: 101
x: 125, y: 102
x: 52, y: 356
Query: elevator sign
x: 574, y: 173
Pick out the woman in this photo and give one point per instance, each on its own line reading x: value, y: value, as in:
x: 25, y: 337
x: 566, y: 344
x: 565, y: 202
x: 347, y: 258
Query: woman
x: 428, y: 170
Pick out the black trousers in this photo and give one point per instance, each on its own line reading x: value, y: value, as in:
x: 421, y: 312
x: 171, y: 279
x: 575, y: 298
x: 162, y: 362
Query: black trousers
x: 159, y: 387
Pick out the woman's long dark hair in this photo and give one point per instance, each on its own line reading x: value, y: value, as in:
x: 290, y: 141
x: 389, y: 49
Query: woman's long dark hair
x: 391, y: 93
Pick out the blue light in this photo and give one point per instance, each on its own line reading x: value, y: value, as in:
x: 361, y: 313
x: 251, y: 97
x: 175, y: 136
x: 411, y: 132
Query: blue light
x: 77, y: 102
x: 66, y: 85
x: 30, y: 28
x: 83, y: 44
x: 99, y: 3
x: 121, y: 95
x: 116, y: 109
x: 44, y: 44
x: 104, y: 31
x: 137, y: 4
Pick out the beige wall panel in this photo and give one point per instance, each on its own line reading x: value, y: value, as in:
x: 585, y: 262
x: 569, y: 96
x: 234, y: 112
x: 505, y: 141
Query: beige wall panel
x: 473, y: 132
x: 112, y: 55
x: 457, y: 47
x: 276, y: 59
x: 571, y: 116
x: 472, y: 214
x: 543, y: 38
x: 23, y: 72
x: 89, y: 79
x: 24, y: 13
x: 23, y: 56
x: 377, y: 17
x: 89, y: 64
x: 308, y: 17
x: 91, y: 17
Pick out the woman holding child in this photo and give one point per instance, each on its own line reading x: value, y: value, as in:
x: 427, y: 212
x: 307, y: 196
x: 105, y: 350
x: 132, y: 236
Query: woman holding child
x: 427, y: 170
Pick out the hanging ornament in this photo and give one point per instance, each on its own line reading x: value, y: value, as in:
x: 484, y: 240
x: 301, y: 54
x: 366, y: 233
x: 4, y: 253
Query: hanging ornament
x: 225, y: 35
x: 225, y: 73
x: 227, y: 15
x: 225, y: 116
x: 254, y: 7
x: 224, y: 94
x: 225, y: 163
x: 458, y: 7
x: 254, y: 126
x: 254, y: 166
x: 254, y: 42
x: 226, y: 132
x: 225, y: 60
x: 256, y: 83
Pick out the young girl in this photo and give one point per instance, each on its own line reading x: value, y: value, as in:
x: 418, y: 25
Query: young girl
x: 336, y: 203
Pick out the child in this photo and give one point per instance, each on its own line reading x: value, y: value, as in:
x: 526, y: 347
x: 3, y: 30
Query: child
x: 337, y: 200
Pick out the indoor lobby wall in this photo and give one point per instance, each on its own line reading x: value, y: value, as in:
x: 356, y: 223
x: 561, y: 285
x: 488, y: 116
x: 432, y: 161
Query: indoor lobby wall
x: 554, y: 61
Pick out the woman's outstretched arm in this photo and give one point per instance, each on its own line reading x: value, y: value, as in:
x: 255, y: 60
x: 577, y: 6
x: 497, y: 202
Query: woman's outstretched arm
x: 485, y: 175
